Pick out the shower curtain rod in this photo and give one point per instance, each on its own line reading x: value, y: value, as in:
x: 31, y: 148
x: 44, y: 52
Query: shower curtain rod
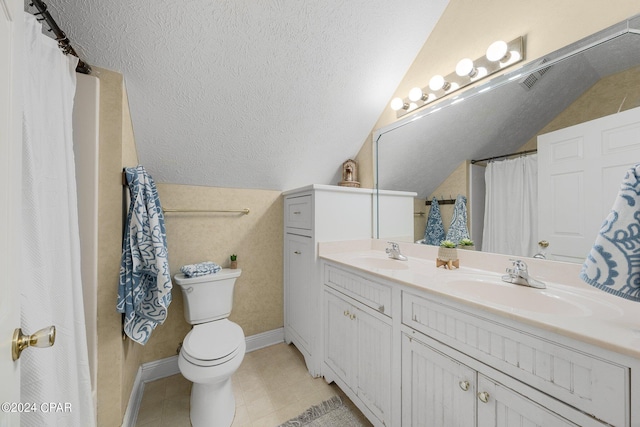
x: 63, y: 41
x: 519, y: 153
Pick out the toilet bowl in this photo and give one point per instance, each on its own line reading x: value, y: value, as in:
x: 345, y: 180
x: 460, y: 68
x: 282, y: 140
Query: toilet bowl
x: 214, y: 348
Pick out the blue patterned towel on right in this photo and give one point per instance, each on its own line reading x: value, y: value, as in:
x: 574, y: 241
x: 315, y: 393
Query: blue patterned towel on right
x: 613, y: 264
x: 458, y: 229
x: 200, y: 269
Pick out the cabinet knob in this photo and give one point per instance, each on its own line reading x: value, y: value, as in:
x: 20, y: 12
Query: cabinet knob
x: 297, y: 252
x: 483, y: 396
x: 352, y: 316
x: 346, y: 312
x: 464, y: 385
x: 381, y: 309
x: 297, y: 213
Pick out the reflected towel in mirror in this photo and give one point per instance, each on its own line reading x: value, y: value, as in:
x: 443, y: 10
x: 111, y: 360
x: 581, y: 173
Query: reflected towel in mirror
x: 434, y: 231
x: 458, y: 229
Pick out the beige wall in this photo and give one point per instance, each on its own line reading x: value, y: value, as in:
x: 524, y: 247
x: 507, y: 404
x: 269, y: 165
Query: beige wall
x: 132, y: 351
x: 467, y: 27
x: 112, y: 386
x: 194, y: 237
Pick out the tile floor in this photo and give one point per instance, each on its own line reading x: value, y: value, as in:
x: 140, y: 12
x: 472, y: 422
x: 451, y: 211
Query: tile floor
x: 271, y: 386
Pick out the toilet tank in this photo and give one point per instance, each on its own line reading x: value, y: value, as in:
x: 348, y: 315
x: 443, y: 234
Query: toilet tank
x: 209, y: 297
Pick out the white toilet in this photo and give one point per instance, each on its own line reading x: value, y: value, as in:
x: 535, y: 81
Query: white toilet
x: 213, y: 350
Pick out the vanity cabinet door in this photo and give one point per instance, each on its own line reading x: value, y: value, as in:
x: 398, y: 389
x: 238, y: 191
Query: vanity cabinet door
x: 298, y: 290
x: 436, y: 389
x: 499, y: 406
x: 358, y: 351
x: 373, y: 364
x: 339, y: 334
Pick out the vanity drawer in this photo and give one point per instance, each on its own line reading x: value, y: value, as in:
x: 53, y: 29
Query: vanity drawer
x: 297, y: 212
x: 595, y: 386
x: 368, y: 292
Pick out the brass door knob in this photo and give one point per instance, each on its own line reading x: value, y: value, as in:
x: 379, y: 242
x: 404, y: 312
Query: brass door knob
x: 543, y: 244
x: 45, y: 337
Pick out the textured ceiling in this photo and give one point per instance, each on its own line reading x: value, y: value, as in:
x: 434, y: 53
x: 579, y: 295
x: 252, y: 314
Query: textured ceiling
x: 272, y: 94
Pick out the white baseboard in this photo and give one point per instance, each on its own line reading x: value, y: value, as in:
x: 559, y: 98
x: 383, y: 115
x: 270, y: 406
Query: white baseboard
x: 135, y: 399
x: 265, y: 339
x: 163, y: 368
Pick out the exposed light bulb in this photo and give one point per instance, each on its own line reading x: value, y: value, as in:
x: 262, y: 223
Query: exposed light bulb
x: 415, y: 94
x: 510, y: 58
x: 481, y: 72
x: 398, y: 104
x: 497, y: 51
x: 465, y: 68
x: 438, y: 82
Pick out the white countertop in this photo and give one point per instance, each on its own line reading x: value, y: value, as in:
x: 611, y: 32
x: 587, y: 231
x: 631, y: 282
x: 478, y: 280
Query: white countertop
x: 567, y: 306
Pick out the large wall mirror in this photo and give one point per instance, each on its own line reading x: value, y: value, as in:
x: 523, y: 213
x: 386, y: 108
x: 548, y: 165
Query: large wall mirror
x: 505, y: 114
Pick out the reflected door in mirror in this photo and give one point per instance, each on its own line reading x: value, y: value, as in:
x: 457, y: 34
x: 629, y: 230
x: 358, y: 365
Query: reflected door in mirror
x: 580, y: 167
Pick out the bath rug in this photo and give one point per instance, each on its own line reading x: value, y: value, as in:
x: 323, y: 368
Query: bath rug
x: 330, y: 413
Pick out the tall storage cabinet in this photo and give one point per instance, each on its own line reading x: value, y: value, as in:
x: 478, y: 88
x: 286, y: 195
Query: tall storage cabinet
x: 312, y: 214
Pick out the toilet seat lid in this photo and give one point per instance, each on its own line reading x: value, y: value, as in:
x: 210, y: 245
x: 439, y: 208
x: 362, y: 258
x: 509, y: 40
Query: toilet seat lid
x: 212, y: 343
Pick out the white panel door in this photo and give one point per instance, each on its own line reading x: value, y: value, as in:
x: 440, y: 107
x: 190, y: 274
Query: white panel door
x: 436, y: 390
x: 499, y: 406
x: 580, y: 169
x: 11, y: 29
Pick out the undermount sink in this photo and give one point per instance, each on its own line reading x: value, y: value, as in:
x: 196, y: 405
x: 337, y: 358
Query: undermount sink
x: 493, y: 291
x: 380, y: 263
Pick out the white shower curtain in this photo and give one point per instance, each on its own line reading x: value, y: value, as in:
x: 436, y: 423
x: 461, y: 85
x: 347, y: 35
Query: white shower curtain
x: 51, y: 289
x: 511, y: 213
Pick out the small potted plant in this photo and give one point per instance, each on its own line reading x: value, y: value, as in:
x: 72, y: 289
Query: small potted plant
x: 466, y: 244
x: 447, y: 251
x: 234, y: 261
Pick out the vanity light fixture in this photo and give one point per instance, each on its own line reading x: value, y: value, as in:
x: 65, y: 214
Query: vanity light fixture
x: 498, y: 56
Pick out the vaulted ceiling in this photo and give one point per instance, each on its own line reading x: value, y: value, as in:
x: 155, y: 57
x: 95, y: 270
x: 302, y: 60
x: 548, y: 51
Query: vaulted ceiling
x: 252, y: 94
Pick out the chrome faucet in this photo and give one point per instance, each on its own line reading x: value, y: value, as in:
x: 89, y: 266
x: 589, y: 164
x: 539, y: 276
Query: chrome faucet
x: 519, y: 275
x: 394, y: 252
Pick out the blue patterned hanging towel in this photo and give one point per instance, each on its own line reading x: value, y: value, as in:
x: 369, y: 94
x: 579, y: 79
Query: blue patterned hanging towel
x: 458, y: 229
x: 434, y: 231
x: 144, y: 292
x: 613, y: 264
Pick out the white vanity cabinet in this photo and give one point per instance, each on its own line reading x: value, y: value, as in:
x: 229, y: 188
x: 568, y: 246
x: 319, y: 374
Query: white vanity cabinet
x: 515, y: 376
x: 440, y: 390
x: 314, y: 214
x: 409, y: 355
x: 358, y: 340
